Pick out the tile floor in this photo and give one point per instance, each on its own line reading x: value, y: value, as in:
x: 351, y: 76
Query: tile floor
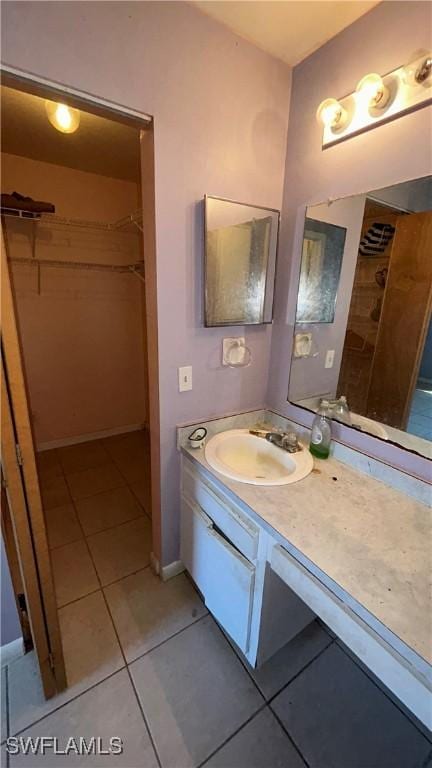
x: 147, y: 663
x: 420, y: 418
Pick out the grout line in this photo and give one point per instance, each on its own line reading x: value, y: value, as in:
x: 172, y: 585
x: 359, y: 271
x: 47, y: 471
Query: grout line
x: 246, y: 722
x: 297, y: 749
x: 124, y: 657
x: 77, y: 599
x: 311, y: 661
x: 150, y: 735
x: 126, y: 576
x: 111, y: 527
x: 167, y: 639
x: 398, y: 707
x: 273, y: 697
x: 98, y: 493
x: 65, y: 703
x: 59, y: 546
x: 138, y: 700
x: 139, y: 502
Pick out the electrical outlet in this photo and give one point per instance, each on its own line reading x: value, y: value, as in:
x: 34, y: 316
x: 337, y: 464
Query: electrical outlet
x: 329, y: 358
x: 185, y: 378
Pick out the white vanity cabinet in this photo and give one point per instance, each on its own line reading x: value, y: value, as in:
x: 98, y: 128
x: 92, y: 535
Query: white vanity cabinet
x: 225, y: 553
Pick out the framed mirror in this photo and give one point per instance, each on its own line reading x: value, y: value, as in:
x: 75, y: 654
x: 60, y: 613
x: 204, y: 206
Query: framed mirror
x: 240, y: 262
x: 320, y: 266
x: 365, y: 323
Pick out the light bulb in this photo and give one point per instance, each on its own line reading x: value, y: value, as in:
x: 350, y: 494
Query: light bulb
x: 331, y: 113
x: 65, y: 119
x: 418, y: 71
x: 372, y: 92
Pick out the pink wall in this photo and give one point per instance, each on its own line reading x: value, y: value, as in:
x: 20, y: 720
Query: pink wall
x: 380, y: 41
x: 220, y: 107
x: 82, y: 333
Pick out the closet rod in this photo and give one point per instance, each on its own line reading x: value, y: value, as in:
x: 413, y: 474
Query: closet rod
x: 124, y: 268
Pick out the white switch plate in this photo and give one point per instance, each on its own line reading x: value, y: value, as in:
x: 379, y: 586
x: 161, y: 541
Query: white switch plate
x: 185, y: 378
x: 329, y: 358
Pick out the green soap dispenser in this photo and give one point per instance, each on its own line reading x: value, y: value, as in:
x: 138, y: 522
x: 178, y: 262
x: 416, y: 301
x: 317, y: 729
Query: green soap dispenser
x: 321, y: 432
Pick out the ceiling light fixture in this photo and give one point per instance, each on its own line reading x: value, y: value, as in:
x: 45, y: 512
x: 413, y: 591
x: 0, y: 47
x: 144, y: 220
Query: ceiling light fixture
x: 65, y: 119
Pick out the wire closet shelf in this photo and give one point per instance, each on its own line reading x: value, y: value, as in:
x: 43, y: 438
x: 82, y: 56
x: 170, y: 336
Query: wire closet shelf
x: 128, y: 225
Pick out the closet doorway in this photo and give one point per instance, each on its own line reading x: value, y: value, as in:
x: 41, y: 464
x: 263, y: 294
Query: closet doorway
x: 77, y: 210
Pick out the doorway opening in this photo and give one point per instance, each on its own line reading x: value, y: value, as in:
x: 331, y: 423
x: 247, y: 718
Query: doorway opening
x: 78, y: 225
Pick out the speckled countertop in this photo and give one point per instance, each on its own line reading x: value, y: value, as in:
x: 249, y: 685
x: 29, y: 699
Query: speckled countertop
x: 371, y: 540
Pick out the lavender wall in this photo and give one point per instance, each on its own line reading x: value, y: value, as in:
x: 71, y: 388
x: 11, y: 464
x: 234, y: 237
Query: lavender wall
x: 380, y: 41
x: 220, y: 107
x: 10, y: 627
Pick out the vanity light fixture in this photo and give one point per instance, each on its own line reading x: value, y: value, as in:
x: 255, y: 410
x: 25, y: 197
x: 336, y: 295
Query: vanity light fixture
x: 65, y: 119
x: 377, y: 100
x: 372, y: 92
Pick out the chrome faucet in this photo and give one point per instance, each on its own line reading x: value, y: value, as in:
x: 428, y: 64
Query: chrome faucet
x: 287, y: 441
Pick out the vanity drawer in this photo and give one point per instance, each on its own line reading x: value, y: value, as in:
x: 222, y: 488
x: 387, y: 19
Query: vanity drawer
x: 237, y: 527
x: 225, y: 578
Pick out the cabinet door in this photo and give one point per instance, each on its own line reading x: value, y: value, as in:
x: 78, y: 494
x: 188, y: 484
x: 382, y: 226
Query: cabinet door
x: 221, y: 573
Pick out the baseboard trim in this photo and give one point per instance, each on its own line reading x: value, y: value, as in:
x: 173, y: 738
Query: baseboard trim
x: 171, y: 570
x: 46, y: 446
x: 154, y: 564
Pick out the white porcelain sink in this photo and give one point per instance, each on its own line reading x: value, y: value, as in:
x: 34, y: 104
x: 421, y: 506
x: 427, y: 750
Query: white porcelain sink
x: 369, y: 425
x: 250, y: 459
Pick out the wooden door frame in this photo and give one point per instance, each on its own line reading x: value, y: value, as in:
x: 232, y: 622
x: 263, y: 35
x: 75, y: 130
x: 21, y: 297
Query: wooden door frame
x: 49, y: 89
x: 22, y: 483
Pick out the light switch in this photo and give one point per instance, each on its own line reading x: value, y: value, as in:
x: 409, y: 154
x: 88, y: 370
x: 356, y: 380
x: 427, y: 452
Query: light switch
x: 329, y: 358
x: 185, y: 378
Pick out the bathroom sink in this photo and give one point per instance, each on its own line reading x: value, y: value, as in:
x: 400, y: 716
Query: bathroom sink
x: 249, y: 459
x: 369, y: 425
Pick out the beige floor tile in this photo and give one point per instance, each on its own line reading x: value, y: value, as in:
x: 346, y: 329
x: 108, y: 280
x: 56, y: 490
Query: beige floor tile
x: 48, y: 464
x: 62, y: 525
x: 108, y: 509
x: 134, y: 468
x: 121, y: 551
x: 129, y: 442
x: 141, y: 491
x: 88, y: 482
x: 73, y: 571
x: 195, y: 694
x: 91, y: 653
x: 75, y: 458
x: 146, y: 611
x: 109, y: 709
x: 54, y: 491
